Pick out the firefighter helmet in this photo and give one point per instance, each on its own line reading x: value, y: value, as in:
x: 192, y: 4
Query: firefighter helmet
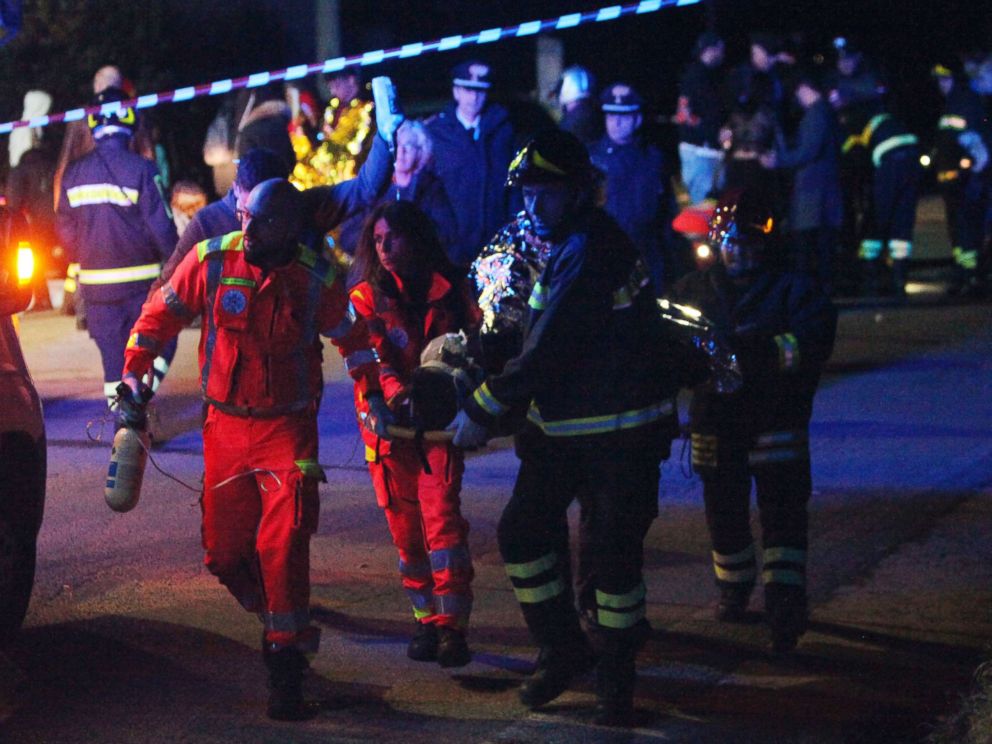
x: 740, y: 232
x: 576, y: 83
x: 272, y: 220
x: 553, y: 156
x: 112, y: 118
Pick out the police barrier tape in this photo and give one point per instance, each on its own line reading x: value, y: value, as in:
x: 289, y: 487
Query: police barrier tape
x: 446, y: 44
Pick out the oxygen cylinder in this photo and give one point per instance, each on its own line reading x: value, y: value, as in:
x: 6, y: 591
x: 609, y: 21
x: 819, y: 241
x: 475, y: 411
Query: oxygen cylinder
x: 127, y: 468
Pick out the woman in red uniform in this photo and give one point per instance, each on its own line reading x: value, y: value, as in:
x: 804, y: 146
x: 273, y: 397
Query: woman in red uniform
x: 408, y: 294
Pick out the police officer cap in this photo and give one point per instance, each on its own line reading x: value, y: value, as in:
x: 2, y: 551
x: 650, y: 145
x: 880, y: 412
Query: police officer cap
x: 620, y: 98
x: 471, y: 74
x: 112, y: 118
x: 553, y: 156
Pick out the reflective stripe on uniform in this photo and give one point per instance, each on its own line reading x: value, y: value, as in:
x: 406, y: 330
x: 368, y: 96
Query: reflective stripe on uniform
x: 704, y: 450
x: 357, y: 358
x: 311, y: 469
x: 542, y: 593
x: 788, y: 351
x: 736, y: 575
x: 532, y: 568
x: 487, y: 402
x: 888, y: 145
x: 110, y: 393
x: 870, y: 249
x: 900, y: 249
x: 418, y: 570
x: 457, y: 605
x: 967, y: 260
x: 160, y: 366
x: 142, y: 341
x: 725, y: 559
x: 230, y: 242
x: 600, y: 424
x: 101, y: 193
x: 176, y: 306
x: 317, y: 265
x: 952, y: 121
x: 538, y: 296
x: 455, y: 558
x: 120, y: 276
x: 236, y: 281
x: 621, y: 610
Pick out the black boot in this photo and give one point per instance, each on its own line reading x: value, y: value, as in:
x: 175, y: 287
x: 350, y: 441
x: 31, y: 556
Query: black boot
x: 557, y: 666
x: 452, y: 649
x: 732, y: 605
x: 286, y: 669
x: 423, y: 645
x: 616, y: 673
x: 787, y: 614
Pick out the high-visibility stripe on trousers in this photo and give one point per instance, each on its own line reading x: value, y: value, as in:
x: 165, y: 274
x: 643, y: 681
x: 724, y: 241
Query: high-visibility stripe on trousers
x: 260, y: 508
x: 423, y: 512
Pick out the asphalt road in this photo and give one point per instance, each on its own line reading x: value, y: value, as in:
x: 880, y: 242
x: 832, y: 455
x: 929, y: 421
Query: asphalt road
x: 129, y: 639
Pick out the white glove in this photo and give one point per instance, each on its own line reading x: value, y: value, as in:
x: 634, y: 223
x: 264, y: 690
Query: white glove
x: 468, y: 434
x: 972, y: 142
x: 379, y: 417
x: 388, y: 115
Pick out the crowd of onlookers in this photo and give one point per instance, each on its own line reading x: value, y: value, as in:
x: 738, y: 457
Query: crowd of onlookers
x: 817, y: 142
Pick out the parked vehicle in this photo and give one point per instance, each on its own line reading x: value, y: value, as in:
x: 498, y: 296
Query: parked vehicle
x: 23, y: 457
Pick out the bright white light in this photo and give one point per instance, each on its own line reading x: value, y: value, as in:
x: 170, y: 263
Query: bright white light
x: 703, y: 251
x: 965, y: 163
x: 925, y: 161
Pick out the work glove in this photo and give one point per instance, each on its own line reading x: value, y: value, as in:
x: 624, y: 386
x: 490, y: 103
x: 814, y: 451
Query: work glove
x: 132, y: 400
x: 388, y: 115
x: 379, y: 417
x: 468, y: 434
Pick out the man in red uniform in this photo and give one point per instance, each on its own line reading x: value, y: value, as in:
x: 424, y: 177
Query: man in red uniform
x: 264, y: 296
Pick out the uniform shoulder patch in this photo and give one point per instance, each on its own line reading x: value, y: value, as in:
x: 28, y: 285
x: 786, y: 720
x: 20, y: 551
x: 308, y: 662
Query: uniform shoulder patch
x: 317, y: 265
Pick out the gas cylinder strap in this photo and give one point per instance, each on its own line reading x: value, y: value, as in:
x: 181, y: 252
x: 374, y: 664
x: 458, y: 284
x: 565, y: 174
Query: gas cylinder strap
x: 120, y: 275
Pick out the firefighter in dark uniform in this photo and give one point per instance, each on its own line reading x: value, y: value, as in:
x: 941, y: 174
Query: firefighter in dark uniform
x: 113, y: 220
x: 782, y: 327
x: 960, y: 161
x: 894, y: 154
x: 599, y: 420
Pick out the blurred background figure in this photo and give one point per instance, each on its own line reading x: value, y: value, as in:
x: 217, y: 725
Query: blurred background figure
x: 960, y: 159
x: 638, y: 185
x: 855, y: 89
x: 473, y: 145
x: 265, y: 123
x: 413, y: 181
x: 815, y: 211
x: 702, y: 110
x: 345, y: 134
x: 580, y: 114
x: 188, y: 198
x: 30, y: 192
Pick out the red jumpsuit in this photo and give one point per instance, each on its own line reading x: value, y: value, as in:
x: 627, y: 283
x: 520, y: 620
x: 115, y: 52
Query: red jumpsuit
x: 260, y: 371
x: 423, y: 510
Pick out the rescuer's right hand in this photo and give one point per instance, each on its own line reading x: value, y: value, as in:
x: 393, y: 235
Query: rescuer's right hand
x: 133, y: 396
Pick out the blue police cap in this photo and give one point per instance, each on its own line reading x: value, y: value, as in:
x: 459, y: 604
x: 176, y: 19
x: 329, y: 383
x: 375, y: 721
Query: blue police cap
x: 620, y: 98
